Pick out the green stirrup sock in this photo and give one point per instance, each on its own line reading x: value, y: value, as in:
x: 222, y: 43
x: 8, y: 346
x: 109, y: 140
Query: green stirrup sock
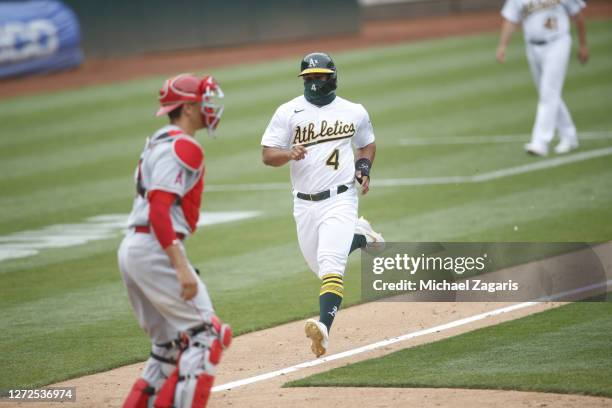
x: 330, y: 298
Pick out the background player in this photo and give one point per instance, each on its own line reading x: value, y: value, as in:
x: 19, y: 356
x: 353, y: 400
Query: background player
x: 314, y: 132
x: 548, y: 41
x: 171, y: 304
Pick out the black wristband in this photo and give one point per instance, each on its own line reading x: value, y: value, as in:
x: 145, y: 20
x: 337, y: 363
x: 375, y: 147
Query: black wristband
x: 363, y: 165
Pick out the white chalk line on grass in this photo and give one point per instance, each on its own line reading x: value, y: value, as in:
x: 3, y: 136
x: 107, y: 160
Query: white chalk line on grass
x: 426, y: 181
x: 404, y: 337
x: 490, y: 139
x: 28, y: 243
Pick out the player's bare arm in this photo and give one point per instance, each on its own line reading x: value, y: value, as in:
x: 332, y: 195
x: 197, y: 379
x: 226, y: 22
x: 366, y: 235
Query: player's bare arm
x: 160, y: 218
x: 508, y: 27
x: 276, y: 157
x: 365, y: 157
x: 186, y: 277
x: 583, y: 50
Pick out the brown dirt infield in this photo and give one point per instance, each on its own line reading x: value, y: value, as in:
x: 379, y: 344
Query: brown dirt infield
x: 283, y: 346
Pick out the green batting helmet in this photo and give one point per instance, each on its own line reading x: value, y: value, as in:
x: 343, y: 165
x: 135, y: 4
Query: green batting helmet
x: 320, y: 63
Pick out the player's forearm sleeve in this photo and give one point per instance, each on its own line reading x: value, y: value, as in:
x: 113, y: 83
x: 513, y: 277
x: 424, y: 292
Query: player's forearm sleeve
x: 159, y: 216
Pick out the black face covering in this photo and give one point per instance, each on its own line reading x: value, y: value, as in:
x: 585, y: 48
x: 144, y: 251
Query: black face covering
x: 319, y: 92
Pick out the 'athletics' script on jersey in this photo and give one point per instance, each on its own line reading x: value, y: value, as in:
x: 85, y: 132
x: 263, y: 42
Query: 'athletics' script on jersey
x: 536, y: 5
x: 306, y: 136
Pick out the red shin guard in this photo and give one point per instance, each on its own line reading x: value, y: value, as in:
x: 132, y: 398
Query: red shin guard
x: 202, y: 391
x: 139, y: 395
x: 165, y: 395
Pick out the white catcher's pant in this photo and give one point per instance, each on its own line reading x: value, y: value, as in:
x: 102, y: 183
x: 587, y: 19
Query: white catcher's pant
x: 154, y: 290
x: 325, y: 231
x: 548, y: 64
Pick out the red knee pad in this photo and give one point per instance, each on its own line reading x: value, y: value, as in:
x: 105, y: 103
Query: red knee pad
x: 165, y: 395
x: 223, y: 330
x: 202, y: 391
x: 225, y: 335
x: 216, y: 323
x: 214, y: 355
x: 139, y: 395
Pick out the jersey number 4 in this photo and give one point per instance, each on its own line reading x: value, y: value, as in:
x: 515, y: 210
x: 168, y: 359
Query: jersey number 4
x: 551, y: 23
x: 334, y: 159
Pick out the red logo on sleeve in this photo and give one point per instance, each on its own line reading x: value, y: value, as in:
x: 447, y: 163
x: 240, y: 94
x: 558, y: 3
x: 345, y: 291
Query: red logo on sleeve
x: 179, y: 178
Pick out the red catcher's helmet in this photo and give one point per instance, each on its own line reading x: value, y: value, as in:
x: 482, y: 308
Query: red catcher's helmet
x: 185, y: 88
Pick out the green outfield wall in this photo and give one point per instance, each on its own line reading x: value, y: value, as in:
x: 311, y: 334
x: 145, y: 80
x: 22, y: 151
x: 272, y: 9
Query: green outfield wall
x: 118, y: 27
x: 385, y: 9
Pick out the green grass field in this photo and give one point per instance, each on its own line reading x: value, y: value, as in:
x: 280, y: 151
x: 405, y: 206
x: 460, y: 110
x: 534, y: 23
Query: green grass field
x: 68, y: 156
x: 564, y: 350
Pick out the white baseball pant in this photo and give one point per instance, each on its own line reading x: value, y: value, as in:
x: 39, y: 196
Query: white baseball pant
x: 325, y: 230
x: 548, y: 64
x: 154, y: 289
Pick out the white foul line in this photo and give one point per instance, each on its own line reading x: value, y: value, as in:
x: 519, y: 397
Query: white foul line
x: 404, y: 337
x: 490, y: 139
x: 546, y: 164
x: 427, y: 181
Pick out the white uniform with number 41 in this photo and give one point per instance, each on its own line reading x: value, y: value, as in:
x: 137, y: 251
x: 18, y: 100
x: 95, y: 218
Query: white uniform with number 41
x: 325, y: 228
x: 546, y: 27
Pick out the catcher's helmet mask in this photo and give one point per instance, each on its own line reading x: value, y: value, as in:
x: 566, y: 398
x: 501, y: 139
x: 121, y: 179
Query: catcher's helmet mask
x: 188, y: 88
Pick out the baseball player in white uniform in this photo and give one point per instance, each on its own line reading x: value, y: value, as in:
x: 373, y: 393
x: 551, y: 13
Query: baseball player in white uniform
x: 170, y: 302
x: 546, y: 27
x: 316, y: 133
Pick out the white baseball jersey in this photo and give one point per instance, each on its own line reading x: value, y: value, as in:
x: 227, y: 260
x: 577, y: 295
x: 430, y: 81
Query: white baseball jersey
x: 161, y: 168
x: 543, y: 20
x: 327, y: 133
